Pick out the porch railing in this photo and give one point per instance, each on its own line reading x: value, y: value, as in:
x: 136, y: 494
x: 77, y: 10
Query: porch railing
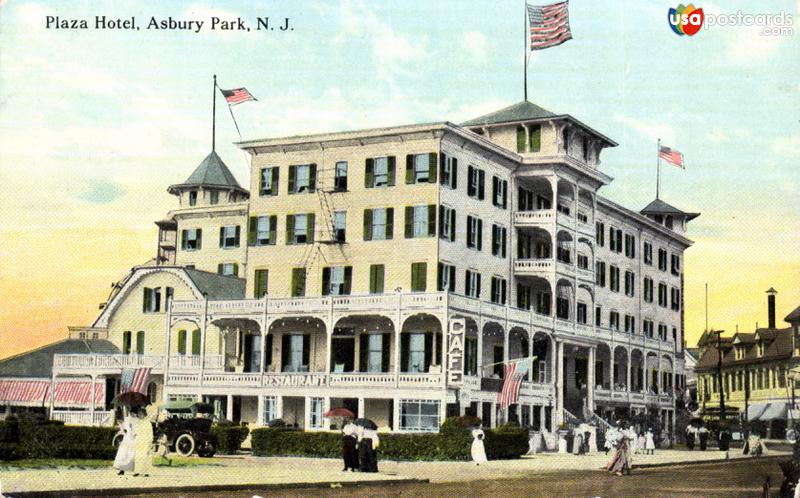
x: 85, y: 418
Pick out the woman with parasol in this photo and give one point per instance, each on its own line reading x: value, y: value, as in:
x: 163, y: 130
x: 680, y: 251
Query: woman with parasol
x: 621, y: 461
x: 349, y: 437
x: 126, y: 451
x: 368, y: 442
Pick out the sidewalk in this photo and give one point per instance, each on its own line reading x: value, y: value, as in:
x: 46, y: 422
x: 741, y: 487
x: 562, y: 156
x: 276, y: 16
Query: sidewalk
x: 251, y: 472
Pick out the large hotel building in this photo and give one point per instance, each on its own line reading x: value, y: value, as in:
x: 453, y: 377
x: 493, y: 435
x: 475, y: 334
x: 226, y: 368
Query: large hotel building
x: 393, y: 271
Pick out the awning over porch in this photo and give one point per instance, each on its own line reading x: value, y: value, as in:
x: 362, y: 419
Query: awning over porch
x: 24, y: 391
x: 66, y: 393
x: 768, y: 411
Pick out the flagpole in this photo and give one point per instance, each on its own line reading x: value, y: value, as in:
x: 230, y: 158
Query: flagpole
x: 658, y: 167
x: 214, y: 117
x: 525, y: 52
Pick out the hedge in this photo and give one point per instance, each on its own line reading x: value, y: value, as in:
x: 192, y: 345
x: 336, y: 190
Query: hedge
x: 453, y: 442
x: 33, y: 439
x: 229, y: 438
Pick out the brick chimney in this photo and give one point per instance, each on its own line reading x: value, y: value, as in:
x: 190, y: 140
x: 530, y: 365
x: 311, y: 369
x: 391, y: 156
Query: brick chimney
x: 771, y: 307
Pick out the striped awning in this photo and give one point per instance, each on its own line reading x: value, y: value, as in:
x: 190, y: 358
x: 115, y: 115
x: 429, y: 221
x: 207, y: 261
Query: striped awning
x: 71, y: 392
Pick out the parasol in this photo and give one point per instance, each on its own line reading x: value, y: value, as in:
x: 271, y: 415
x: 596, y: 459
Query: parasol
x: 339, y: 412
x: 366, y: 423
x: 131, y: 398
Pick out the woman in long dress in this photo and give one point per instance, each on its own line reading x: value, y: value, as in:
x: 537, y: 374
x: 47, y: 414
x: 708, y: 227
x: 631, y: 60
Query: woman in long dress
x: 349, y: 443
x: 144, y: 444
x: 126, y: 451
x: 621, y: 461
x: 649, y: 442
x: 478, y: 451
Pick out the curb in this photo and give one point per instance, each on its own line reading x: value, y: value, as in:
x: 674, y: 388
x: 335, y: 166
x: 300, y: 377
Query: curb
x: 701, y: 462
x: 213, y: 487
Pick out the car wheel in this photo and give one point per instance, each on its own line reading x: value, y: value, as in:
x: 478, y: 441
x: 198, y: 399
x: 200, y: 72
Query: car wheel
x: 184, y: 444
x: 117, y: 440
x: 206, y: 448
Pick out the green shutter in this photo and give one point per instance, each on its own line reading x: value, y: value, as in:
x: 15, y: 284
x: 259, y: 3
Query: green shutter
x: 219, y: 269
x: 126, y: 342
x: 363, y: 350
x: 376, y: 279
x: 326, y: 281
x: 289, y: 229
x: 260, y: 287
x: 236, y: 269
x: 183, y: 239
x: 298, y: 282
x: 505, y: 194
x: 454, y: 173
x: 409, y: 222
x: 367, y: 224
x: 140, y: 342
x: 392, y: 166
x: 146, y: 299
x: 199, y: 238
x: 310, y: 228
x: 409, y: 168
x: 431, y: 220
x: 419, y: 273
x: 181, y: 342
x: 312, y: 177
x: 535, y: 142
x: 442, y: 163
x: 452, y: 279
x: 452, y: 225
x: 221, y: 236
x: 275, y: 175
x: 520, y: 139
x: 273, y: 226
x: 348, y: 280
x: 432, y: 169
x: 292, y: 178
x: 369, y: 173
x: 385, y: 351
x: 251, y: 232
x: 481, y: 181
x: 441, y: 221
x: 480, y: 234
x: 237, y: 235
x: 389, y: 223
x: 196, y: 341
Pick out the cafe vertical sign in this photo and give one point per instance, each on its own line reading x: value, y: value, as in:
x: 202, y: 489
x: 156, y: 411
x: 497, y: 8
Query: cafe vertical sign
x: 455, y: 351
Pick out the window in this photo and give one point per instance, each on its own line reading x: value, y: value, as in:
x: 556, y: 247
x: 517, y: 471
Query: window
x: 475, y: 182
x: 586, y: 151
x: 302, y: 178
x: 583, y: 261
x: 524, y: 296
x: 648, y: 253
x: 648, y: 289
x: 630, y: 283
x: 295, y: 352
x: 583, y: 217
x: 563, y: 209
x: 340, y: 226
x: 499, y: 192
x: 498, y: 290
x: 630, y: 324
x: 229, y: 236
x: 421, y: 168
x: 662, y: 260
x: 647, y: 328
x: 472, y: 284
x: 600, y: 273
x: 675, y: 267
x: 615, y: 239
x: 474, y: 233
x: 126, y: 342
x: 543, y: 303
x: 376, y: 279
x: 447, y: 223
x: 262, y: 230
x: 419, y: 415
x: 598, y: 316
x: 521, y: 139
x: 563, y: 252
x: 270, y: 408
x: 446, y: 277
x: 378, y: 224
x: 140, y: 342
x: 298, y: 282
x: 151, y: 300
x: 374, y: 351
x: 498, y: 241
x: 336, y: 280
x: 613, y: 320
x: 562, y: 308
x: 417, y: 360
x: 662, y: 295
x: 196, y: 341
x: 379, y: 172
x: 419, y: 277
x: 193, y: 198
x: 213, y: 197
x: 600, y: 233
x: 315, y: 420
x: 260, y: 285
x: 525, y: 200
x: 181, y: 342
x: 340, y: 176
x: 675, y: 295
x: 662, y: 331
x: 420, y: 221
x: 630, y: 245
x: 580, y: 313
x: 268, y: 182
x: 191, y: 239
x: 449, y: 171
x: 228, y: 269
x: 299, y: 229
x: 613, y: 278
x: 534, y: 138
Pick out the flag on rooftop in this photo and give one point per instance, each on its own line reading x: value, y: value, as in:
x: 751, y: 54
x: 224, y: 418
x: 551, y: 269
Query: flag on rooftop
x: 237, y: 95
x: 671, y: 156
x: 134, y: 380
x: 549, y: 25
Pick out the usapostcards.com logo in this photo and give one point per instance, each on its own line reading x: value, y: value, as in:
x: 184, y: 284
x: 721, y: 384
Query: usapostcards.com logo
x: 685, y: 20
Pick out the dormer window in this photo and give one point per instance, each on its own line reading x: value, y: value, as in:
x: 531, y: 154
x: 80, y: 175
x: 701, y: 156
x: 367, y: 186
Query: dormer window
x: 565, y: 139
x: 760, y: 348
x: 739, y: 352
x: 214, y: 197
x: 586, y: 145
x: 193, y: 198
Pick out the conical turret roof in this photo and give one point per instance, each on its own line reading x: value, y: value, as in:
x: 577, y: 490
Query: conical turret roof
x: 212, y: 172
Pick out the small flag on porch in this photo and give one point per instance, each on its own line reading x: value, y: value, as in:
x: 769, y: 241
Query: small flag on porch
x: 671, y: 156
x: 513, y: 373
x: 236, y: 95
x: 134, y: 380
x: 549, y: 25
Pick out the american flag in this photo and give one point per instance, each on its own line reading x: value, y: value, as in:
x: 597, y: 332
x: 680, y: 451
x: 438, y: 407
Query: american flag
x: 671, y: 156
x: 549, y: 25
x: 237, y: 95
x: 513, y: 373
x: 134, y: 380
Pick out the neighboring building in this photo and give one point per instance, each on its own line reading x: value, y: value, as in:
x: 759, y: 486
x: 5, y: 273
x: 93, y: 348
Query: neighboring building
x: 756, y: 368
x: 691, y: 355
x: 394, y: 270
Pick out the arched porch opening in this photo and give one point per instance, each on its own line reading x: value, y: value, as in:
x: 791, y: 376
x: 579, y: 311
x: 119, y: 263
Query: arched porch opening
x: 602, y: 372
x: 564, y: 247
x: 363, y: 343
x: 620, y: 369
x: 239, y: 343
x: 298, y: 344
x: 519, y: 346
x: 534, y: 243
x: 651, y: 365
x: 493, y: 350
x: 564, y: 299
x: 421, y: 344
x: 535, y: 193
x: 637, y: 370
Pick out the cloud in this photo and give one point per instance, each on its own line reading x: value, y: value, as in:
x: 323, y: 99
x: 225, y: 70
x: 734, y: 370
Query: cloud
x: 101, y: 191
x: 649, y: 129
x: 474, y: 44
x: 787, y: 146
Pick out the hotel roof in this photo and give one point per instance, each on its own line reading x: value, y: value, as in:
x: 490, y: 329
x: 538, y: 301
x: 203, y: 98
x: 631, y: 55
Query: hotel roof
x: 39, y: 362
x: 660, y: 207
x: 212, y: 172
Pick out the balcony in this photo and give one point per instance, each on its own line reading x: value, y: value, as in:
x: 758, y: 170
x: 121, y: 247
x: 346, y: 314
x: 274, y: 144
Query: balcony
x: 298, y: 380
x: 95, y: 364
x: 544, y: 268
x: 542, y: 218
x: 84, y: 417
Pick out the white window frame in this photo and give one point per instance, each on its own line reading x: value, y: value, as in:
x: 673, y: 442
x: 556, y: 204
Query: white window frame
x: 316, y: 406
x: 379, y: 224
x: 416, y: 420
x: 229, y: 237
x: 420, y: 160
x: 380, y: 170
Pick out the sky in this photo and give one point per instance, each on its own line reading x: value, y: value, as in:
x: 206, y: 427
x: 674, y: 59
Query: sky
x: 95, y: 124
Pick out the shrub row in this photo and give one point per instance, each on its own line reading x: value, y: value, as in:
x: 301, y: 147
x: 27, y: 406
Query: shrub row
x: 451, y: 443
x: 23, y: 439
x: 229, y: 438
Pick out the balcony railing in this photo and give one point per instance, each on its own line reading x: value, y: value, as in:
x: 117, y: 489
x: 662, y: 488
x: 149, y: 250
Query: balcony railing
x: 311, y: 379
x: 534, y: 218
x: 534, y: 267
x: 85, y: 418
x: 88, y: 363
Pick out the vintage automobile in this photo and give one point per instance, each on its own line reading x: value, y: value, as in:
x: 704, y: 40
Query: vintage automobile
x: 186, y: 425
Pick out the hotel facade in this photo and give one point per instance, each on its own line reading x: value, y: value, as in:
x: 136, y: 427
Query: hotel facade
x: 394, y: 270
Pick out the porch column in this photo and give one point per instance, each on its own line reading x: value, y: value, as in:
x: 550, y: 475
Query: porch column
x: 628, y: 378
x: 396, y: 415
x: 480, y: 352
x: 279, y: 407
x: 306, y: 413
x: 229, y: 408
x: 326, y: 405
x: 264, y: 350
x: 203, y: 327
x: 493, y: 415
x: 92, y: 396
x: 260, y: 415
x: 397, y: 358
x: 590, y: 381
x: 361, y: 413
x: 559, y: 382
x: 611, y: 372
x: 328, y: 344
x: 542, y: 421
